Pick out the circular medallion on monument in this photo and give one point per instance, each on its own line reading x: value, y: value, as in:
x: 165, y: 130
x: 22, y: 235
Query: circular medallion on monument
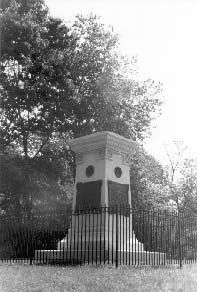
x: 118, y: 171
x: 89, y: 170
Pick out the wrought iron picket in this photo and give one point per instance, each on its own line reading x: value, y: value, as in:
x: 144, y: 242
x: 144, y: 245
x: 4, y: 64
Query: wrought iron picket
x: 116, y: 235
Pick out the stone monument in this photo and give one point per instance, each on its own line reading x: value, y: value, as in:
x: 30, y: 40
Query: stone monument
x: 102, y: 181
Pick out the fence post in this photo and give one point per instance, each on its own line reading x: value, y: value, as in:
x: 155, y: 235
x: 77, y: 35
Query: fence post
x: 32, y: 240
x: 179, y: 238
x: 28, y: 239
x: 117, y: 236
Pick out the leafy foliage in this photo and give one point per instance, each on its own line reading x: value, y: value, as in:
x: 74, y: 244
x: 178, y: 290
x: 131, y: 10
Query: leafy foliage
x: 27, y: 186
x: 149, y: 182
x: 59, y: 82
x: 187, y: 187
x: 108, y: 98
x: 60, y: 79
x: 182, y: 179
x: 21, y: 236
x: 36, y: 88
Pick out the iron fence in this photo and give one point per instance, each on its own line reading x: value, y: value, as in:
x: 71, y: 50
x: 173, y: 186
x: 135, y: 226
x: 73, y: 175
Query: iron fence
x: 105, y: 235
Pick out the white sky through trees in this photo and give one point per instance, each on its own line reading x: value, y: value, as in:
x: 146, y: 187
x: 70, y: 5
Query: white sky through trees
x: 163, y: 35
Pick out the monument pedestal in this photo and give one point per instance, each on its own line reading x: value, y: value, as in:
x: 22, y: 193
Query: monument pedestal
x: 101, y: 231
x: 101, y: 237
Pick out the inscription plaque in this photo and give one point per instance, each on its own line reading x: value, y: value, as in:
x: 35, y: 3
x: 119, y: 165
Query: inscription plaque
x: 117, y: 194
x: 89, y: 194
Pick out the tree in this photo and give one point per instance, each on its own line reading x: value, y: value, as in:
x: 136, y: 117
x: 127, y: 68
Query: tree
x: 58, y: 83
x: 36, y: 87
x: 35, y: 91
x: 175, y: 157
x: 149, y: 182
x: 56, y: 79
x: 108, y: 97
x: 188, y: 186
x: 28, y: 186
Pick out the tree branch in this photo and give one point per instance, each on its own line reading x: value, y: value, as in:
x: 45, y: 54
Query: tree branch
x: 43, y: 144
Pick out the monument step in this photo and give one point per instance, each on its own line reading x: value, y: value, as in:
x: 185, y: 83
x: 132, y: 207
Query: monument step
x: 101, y: 244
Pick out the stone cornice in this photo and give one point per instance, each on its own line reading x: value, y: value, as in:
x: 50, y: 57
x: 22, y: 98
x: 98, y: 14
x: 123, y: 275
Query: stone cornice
x: 102, y: 140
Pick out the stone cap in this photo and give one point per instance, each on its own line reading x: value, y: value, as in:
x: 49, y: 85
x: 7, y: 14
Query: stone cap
x: 103, y: 140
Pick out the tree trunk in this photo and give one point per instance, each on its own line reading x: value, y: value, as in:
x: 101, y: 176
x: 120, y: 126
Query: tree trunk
x: 25, y: 144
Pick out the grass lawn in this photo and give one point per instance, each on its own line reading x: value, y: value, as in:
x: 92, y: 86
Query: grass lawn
x: 18, y: 277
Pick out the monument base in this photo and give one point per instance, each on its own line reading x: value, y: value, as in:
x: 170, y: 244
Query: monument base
x: 100, y: 257
x: 100, y: 244
x: 101, y: 231
x: 109, y: 240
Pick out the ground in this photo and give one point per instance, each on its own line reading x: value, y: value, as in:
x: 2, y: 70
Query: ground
x: 21, y: 277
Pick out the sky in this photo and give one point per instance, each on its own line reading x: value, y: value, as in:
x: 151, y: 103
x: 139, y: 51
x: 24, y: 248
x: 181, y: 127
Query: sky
x: 162, y: 34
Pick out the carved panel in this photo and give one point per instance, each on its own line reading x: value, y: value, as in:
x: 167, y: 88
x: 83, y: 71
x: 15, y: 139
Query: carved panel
x: 79, y: 158
x: 121, y: 146
x: 105, y: 153
x: 109, y: 154
x: 127, y: 159
x: 101, y: 153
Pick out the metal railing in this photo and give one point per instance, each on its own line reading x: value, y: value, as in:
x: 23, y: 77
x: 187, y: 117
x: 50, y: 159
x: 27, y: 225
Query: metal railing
x: 116, y: 235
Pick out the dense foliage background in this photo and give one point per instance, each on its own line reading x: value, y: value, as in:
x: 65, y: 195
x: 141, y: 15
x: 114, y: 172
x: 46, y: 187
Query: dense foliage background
x: 60, y: 82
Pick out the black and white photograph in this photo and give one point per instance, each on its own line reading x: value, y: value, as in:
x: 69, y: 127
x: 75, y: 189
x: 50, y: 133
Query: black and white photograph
x: 98, y: 148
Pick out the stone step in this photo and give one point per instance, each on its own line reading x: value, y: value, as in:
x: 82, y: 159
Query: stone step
x: 129, y: 245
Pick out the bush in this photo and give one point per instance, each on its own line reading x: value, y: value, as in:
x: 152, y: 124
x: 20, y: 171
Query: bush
x: 20, y: 237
